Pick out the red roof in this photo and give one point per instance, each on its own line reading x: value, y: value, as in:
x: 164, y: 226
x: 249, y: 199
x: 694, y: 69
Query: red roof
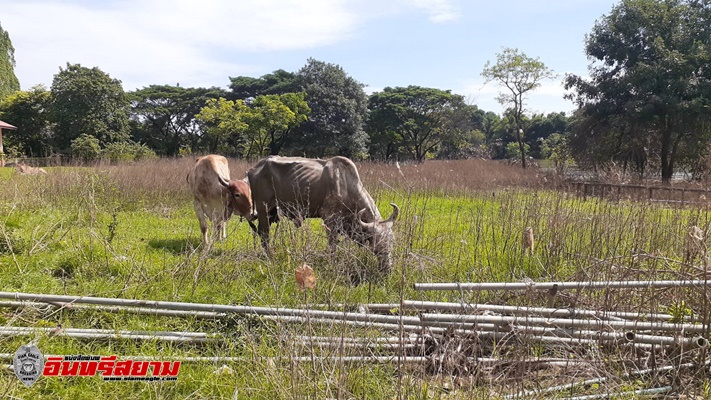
x: 5, y: 125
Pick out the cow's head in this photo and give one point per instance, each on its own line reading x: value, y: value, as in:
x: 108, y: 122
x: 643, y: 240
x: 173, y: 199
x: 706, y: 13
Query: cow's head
x: 240, y: 196
x: 381, y: 237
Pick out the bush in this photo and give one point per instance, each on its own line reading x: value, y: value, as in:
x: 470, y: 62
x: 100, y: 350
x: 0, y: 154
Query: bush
x: 143, y: 152
x: 127, y: 151
x: 117, y: 152
x: 85, y: 148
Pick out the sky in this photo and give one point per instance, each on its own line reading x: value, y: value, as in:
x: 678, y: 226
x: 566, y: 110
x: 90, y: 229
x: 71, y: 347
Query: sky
x: 442, y: 44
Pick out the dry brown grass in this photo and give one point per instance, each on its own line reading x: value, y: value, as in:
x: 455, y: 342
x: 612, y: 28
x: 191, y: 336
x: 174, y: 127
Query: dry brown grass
x: 455, y: 176
x: 164, y: 180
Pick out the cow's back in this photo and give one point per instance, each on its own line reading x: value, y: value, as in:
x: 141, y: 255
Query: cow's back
x: 341, y: 174
x: 287, y: 180
x: 203, y: 178
x: 310, y: 184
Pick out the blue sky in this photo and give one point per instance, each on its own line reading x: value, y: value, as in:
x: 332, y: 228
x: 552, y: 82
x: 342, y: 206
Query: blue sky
x: 434, y: 43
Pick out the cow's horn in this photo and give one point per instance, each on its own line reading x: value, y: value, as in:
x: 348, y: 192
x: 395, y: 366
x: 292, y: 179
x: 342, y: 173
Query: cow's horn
x: 393, y: 216
x: 223, y: 181
x: 365, y: 225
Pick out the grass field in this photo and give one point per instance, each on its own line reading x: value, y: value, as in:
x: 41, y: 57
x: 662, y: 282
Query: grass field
x: 129, y: 231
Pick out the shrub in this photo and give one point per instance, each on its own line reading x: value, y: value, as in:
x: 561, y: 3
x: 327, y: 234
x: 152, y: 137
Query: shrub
x: 127, y: 151
x: 85, y: 148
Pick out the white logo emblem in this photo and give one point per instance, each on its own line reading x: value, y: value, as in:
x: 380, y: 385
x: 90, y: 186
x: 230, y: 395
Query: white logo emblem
x: 28, y: 363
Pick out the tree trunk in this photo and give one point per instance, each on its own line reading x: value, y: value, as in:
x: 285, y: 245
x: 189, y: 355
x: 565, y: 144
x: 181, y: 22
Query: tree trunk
x: 521, y: 146
x: 666, y: 157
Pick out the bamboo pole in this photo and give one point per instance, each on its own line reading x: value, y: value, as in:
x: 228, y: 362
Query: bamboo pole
x: 364, y: 345
x: 660, y: 390
x: 587, y: 382
x: 410, y: 328
x: 19, y: 331
x: 560, y: 285
x: 695, y: 342
x: 237, y: 309
x: 107, y: 331
x: 546, y: 311
x: 564, y: 322
x: 388, y: 339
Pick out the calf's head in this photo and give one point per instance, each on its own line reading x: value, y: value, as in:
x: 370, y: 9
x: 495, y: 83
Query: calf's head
x: 240, y: 197
x: 381, y: 237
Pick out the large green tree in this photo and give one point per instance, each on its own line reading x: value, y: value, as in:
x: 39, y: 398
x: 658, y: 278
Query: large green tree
x: 224, y: 126
x: 163, y: 117
x: 8, y: 80
x: 540, y: 127
x: 88, y: 101
x: 415, y: 120
x: 271, y: 119
x: 28, y: 111
x: 519, y: 75
x: 650, y: 81
x: 339, y: 108
x: 277, y: 82
x: 258, y: 127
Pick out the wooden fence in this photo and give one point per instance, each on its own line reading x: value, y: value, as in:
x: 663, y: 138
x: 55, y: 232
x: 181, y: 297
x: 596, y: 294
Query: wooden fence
x: 659, y: 194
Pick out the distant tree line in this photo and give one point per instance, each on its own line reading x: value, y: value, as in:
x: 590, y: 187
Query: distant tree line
x: 646, y: 106
x: 317, y: 111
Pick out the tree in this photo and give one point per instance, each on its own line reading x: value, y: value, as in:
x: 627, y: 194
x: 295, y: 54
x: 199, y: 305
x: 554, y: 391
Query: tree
x: 257, y: 128
x: 8, y: 80
x: 270, y: 120
x: 28, y: 110
x: 541, y: 127
x: 415, y: 119
x: 339, y: 108
x: 278, y: 82
x: 223, y: 121
x: 649, y: 81
x: 520, y: 75
x: 467, y: 136
x: 88, y: 101
x: 85, y: 148
x: 164, y: 117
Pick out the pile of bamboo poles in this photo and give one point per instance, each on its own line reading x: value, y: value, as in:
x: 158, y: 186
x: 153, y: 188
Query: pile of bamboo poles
x: 433, y: 318
x: 419, y: 325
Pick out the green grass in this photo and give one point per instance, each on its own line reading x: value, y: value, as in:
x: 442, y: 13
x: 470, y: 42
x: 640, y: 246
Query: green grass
x: 107, y: 232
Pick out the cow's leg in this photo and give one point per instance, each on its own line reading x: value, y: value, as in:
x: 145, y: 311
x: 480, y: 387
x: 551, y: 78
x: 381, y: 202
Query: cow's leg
x: 332, y: 232
x: 264, y: 217
x: 203, y: 222
x: 217, y: 223
x: 223, y: 222
x: 220, y: 229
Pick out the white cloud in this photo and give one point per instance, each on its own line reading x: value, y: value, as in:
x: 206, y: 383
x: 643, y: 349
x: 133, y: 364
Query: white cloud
x: 438, y: 10
x: 146, y: 42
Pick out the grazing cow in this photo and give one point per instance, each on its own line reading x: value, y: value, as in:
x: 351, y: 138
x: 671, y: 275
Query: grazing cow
x: 328, y: 189
x: 215, y: 196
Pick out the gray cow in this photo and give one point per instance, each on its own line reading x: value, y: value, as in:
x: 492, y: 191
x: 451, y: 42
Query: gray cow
x: 328, y: 189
